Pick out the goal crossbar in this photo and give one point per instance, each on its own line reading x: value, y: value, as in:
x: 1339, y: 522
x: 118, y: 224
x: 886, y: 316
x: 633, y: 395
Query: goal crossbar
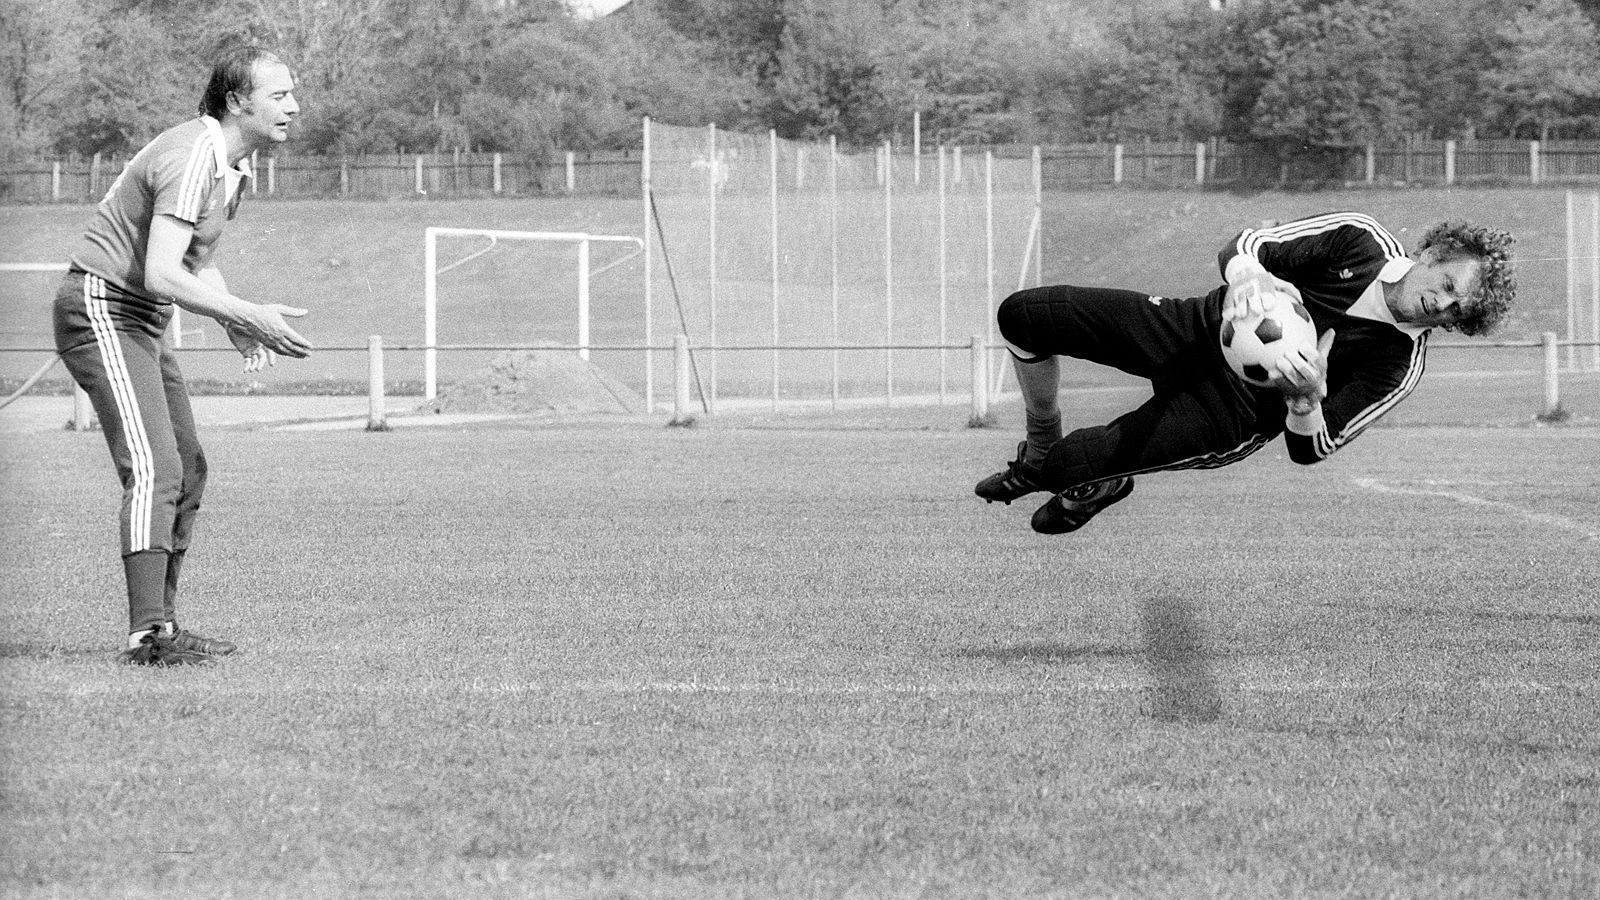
x: 432, y: 271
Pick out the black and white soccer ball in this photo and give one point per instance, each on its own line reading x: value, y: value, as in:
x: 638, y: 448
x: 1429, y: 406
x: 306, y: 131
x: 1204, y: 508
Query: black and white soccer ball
x: 1253, y: 345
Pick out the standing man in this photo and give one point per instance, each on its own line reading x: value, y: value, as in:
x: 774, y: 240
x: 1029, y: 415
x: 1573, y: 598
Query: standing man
x: 147, y: 251
x: 1372, y: 304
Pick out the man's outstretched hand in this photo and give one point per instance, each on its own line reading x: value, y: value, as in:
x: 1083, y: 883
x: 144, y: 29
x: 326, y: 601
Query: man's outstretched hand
x: 265, y: 333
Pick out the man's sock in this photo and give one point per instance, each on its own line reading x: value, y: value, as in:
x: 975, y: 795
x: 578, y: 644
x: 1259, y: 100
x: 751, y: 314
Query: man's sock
x: 1042, y: 432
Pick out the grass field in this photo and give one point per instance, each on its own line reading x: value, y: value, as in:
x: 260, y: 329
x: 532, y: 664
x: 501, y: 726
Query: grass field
x: 774, y: 656
x: 788, y: 654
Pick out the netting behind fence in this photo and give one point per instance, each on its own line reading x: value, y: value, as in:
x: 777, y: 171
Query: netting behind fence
x: 866, y: 259
x: 1583, y: 279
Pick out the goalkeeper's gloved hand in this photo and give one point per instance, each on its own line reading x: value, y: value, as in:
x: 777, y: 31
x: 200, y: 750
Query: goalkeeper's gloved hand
x: 1252, y: 290
x: 1302, y: 377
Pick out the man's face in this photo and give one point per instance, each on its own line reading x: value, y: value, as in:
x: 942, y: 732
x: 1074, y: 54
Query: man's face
x: 1436, y: 292
x: 264, y: 115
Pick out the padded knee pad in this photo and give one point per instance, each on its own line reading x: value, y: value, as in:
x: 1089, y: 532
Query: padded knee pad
x: 1079, y: 458
x: 1015, y: 318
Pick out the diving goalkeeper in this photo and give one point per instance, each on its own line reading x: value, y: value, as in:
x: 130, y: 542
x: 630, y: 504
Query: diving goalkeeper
x: 1374, y: 307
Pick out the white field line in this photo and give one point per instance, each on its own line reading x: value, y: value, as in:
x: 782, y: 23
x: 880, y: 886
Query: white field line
x: 1098, y: 686
x: 1054, y: 687
x: 1563, y: 523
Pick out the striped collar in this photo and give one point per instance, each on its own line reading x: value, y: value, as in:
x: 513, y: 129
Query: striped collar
x: 220, y: 143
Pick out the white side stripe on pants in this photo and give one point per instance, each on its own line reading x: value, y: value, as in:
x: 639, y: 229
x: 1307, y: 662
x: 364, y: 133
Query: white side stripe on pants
x: 140, y: 457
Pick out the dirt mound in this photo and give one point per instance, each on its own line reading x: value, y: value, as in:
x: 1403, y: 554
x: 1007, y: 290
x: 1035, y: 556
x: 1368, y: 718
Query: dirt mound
x: 529, y: 381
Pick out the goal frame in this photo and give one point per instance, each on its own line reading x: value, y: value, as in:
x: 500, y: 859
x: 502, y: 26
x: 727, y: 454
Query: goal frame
x: 432, y: 271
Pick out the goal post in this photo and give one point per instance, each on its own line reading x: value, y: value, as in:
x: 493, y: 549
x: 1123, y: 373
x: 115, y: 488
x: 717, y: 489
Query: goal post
x: 432, y: 270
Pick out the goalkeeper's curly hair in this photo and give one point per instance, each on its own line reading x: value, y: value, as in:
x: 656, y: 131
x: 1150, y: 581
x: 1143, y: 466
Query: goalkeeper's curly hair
x: 1497, y: 281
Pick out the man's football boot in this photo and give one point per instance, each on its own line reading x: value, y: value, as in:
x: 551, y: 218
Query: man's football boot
x: 1018, y: 480
x: 184, y: 639
x: 1072, y: 509
x: 157, y: 649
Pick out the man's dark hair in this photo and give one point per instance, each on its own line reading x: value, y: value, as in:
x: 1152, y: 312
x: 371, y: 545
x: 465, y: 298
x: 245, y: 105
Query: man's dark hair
x: 1497, y: 282
x: 233, y: 73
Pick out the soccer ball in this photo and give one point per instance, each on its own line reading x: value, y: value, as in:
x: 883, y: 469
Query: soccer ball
x: 1253, y: 345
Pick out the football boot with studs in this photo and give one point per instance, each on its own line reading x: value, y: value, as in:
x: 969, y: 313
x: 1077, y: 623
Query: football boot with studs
x: 184, y: 639
x: 1072, y: 509
x: 157, y: 649
x: 1020, y: 479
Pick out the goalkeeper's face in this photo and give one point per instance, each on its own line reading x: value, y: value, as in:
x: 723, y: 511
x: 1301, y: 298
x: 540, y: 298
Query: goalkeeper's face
x: 1436, y: 291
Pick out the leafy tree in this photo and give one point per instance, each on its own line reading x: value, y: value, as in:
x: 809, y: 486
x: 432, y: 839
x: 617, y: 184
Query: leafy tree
x: 833, y: 73
x: 964, y: 92
x: 653, y: 69
x: 1432, y: 38
x: 749, y: 33
x: 523, y: 75
x: 131, y: 85
x: 434, y: 58
x: 38, y: 68
x: 1332, y: 78
x: 1545, y: 79
x: 1160, y: 80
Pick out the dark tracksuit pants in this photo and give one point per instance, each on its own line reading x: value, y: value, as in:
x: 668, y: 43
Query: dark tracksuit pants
x: 138, y: 393
x: 1199, y: 414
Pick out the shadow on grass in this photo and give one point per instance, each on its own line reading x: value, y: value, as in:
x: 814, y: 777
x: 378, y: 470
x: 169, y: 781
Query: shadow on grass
x: 38, y: 650
x: 1537, y: 618
x: 1390, y: 611
x: 1506, y: 744
x: 1047, y: 653
x: 1182, y: 687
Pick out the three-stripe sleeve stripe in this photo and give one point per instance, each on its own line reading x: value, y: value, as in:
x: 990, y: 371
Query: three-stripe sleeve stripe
x: 1372, y: 413
x: 1324, y: 444
x: 196, y: 178
x: 140, y: 459
x: 1392, y: 248
x: 1205, y: 460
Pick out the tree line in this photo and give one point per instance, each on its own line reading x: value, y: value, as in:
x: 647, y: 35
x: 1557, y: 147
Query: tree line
x: 529, y: 77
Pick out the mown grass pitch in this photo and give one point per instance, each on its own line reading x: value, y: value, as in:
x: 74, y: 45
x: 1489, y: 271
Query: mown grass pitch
x: 774, y: 657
